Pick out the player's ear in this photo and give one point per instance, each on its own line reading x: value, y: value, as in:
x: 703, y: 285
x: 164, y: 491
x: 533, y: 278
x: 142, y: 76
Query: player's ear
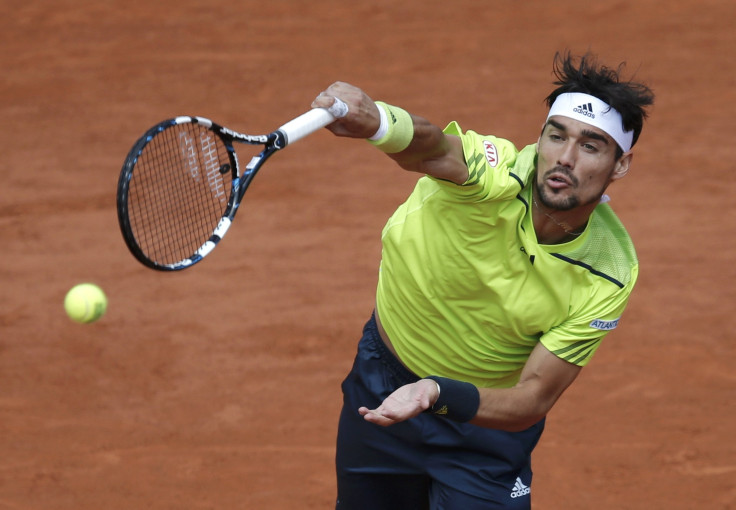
x: 621, y: 167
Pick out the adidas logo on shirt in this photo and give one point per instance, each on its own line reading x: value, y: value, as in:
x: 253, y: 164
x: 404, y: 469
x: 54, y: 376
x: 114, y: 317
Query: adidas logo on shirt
x: 520, y: 489
x: 585, y: 109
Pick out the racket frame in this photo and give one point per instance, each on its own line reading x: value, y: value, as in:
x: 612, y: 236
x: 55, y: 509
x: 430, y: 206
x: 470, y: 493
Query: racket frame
x: 288, y: 133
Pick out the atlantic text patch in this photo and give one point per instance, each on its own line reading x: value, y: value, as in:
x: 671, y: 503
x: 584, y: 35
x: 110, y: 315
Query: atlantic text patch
x: 604, y: 325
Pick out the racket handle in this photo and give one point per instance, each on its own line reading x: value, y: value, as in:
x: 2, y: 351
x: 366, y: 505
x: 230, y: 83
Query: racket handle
x: 313, y: 120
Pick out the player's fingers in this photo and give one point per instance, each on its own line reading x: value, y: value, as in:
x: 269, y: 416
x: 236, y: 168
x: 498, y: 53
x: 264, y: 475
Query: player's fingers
x: 339, y: 108
x: 323, y: 100
x: 374, y: 416
x: 357, y: 115
x: 390, y: 411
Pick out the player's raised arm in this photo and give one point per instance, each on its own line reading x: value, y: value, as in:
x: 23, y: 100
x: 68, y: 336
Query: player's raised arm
x: 412, y: 141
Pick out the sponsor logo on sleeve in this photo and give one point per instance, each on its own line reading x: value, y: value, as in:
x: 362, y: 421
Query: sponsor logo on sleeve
x: 604, y: 325
x: 491, y: 153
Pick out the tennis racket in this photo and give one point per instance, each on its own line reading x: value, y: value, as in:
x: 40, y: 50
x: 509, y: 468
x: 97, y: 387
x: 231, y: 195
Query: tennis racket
x: 181, y: 184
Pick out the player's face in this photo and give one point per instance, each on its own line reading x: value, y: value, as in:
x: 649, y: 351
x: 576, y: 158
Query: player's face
x: 576, y: 163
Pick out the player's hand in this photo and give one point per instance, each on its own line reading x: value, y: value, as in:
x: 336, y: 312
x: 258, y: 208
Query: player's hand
x: 362, y: 119
x: 404, y: 403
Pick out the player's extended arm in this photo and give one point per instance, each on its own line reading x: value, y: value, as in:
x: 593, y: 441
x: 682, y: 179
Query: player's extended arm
x: 543, y: 379
x: 430, y: 152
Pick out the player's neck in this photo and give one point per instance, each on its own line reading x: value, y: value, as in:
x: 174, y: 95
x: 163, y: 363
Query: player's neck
x: 556, y: 227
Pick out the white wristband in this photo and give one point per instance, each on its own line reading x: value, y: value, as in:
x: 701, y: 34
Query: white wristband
x: 383, y: 127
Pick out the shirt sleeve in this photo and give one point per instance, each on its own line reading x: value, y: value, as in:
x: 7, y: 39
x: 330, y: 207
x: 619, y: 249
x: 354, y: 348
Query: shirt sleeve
x: 577, y: 339
x: 492, y: 166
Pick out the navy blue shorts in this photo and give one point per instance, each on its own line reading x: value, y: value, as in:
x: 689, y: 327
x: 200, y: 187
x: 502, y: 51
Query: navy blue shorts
x: 427, y: 462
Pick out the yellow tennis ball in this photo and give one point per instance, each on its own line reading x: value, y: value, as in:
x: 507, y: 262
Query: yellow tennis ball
x: 85, y: 303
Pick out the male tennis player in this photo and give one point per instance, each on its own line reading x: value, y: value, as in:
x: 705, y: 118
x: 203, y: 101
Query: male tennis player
x: 500, y: 275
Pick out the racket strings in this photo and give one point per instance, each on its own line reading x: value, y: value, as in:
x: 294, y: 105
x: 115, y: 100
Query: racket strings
x: 177, y: 193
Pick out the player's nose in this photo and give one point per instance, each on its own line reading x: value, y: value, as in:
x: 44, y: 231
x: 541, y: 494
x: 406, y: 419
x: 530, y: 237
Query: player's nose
x: 567, y: 155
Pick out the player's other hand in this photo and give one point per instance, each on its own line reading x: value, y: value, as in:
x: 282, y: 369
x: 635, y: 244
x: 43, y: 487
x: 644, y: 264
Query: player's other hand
x: 362, y: 119
x: 404, y: 403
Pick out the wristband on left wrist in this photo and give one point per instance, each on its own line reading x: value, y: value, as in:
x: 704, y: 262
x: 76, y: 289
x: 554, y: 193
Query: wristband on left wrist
x: 458, y: 400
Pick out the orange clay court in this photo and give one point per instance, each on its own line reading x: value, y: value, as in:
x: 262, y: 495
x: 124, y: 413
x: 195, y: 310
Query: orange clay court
x: 218, y: 387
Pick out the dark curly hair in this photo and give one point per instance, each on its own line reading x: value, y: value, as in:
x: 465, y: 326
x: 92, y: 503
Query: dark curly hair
x: 629, y: 98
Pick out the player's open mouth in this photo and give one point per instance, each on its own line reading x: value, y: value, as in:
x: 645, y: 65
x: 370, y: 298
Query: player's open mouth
x: 558, y: 181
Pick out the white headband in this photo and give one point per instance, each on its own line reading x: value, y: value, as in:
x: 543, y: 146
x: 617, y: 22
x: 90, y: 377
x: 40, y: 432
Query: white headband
x: 593, y: 111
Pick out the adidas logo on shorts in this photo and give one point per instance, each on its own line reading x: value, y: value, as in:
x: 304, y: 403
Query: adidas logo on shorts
x: 520, y: 489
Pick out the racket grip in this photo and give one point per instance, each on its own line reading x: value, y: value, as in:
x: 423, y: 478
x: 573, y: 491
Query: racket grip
x: 313, y: 120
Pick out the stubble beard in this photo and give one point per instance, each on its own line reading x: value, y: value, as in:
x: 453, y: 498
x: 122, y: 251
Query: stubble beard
x: 552, y: 199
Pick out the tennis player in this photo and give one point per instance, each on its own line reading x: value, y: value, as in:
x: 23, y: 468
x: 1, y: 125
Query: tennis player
x: 500, y: 275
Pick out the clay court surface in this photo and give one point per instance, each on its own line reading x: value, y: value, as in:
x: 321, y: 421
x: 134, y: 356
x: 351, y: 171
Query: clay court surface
x: 218, y: 387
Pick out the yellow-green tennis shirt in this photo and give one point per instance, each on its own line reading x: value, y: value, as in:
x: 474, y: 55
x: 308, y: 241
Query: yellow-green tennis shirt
x: 466, y: 291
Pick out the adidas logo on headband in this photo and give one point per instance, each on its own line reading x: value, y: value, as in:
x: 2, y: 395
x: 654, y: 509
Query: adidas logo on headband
x: 585, y: 109
x: 579, y: 106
